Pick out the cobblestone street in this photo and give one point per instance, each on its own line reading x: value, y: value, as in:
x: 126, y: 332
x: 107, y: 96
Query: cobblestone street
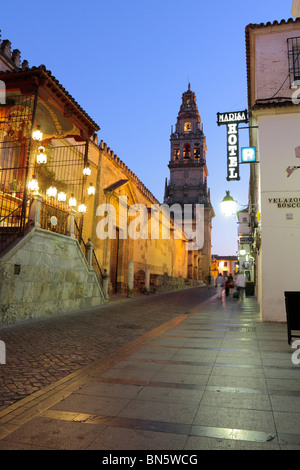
x: 41, y: 352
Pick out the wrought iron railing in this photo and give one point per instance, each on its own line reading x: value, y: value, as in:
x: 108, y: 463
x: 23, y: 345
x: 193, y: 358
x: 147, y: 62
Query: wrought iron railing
x: 13, y: 224
x: 53, y: 216
x: 64, y: 170
x: 96, y: 266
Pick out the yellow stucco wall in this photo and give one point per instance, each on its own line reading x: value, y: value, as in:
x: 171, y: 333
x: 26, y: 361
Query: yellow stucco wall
x: 161, y: 255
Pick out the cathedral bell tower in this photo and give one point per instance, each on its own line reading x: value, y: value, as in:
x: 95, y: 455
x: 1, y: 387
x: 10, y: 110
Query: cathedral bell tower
x: 188, y: 176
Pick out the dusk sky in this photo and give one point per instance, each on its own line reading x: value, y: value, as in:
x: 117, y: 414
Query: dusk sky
x: 127, y: 64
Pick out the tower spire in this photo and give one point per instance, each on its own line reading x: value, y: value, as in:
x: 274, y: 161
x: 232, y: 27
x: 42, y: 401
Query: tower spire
x: 188, y: 178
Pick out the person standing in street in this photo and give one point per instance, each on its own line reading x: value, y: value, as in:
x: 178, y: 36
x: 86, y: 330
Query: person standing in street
x: 219, y: 284
x: 240, y: 284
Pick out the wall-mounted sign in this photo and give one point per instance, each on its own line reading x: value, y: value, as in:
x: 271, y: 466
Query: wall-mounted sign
x: 285, y: 202
x: 232, y: 120
x: 228, y: 118
x: 233, y: 152
x: 246, y: 240
x: 248, y: 155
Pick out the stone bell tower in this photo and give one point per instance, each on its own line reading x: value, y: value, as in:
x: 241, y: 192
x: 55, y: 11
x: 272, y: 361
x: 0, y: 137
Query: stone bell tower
x: 188, y: 177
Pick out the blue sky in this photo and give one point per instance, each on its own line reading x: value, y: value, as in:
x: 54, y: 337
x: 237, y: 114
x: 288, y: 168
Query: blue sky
x: 127, y: 64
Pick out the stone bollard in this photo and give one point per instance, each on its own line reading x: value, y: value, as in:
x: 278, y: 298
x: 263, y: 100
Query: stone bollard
x: 35, y: 209
x: 89, y: 252
x: 105, y: 282
x: 130, y: 279
x: 147, y: 280
x: 71, y: 224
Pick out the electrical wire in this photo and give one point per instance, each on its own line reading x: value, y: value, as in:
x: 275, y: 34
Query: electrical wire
x: 294, y: 61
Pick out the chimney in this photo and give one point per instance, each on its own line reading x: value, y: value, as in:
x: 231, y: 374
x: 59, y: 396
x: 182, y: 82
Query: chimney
x: 6, y: 48
x: 296, y: 9
x: 16, y: 58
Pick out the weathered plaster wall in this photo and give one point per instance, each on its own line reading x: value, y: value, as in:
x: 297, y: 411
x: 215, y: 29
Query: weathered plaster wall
x: 271, y: 60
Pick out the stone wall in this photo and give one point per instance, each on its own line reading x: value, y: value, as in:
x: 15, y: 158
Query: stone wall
x: 46, y: 274
x: 162, y: 253
x: 162, y: 283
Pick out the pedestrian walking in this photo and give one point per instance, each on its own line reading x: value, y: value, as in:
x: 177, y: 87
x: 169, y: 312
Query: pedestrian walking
x: 231, y: 283
x: 240, y: 283
x: 219, y: 284
x: 227, y: 287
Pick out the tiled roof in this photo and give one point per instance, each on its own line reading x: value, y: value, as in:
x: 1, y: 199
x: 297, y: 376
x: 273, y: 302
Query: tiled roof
x: 269, y: 23
x: 116, y: 185
x: 42, y: 71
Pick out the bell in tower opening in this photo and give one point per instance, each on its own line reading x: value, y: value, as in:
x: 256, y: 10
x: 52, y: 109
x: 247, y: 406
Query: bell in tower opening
x: 188, y: 177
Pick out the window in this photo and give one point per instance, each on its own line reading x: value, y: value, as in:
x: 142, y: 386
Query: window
x: 294, y: 59
x: 176, y: 154
x: 186, y: 151
x: 187, y: 127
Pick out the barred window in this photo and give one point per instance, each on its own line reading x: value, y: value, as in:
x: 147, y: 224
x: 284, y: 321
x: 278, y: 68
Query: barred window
x: 294, y: 59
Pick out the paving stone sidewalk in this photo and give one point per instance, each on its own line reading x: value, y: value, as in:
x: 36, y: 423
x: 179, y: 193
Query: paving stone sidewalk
x: 213, y: 377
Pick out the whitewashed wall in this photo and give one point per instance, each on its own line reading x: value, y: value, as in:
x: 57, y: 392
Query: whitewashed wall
x: 280, y: 224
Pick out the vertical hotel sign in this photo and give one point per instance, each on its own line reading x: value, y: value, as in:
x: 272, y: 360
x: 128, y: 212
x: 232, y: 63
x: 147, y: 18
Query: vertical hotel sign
x: 232, y: 120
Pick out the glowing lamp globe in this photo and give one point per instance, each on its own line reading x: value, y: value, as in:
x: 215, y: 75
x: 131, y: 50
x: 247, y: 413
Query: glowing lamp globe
x: 52, y: 191
x: 228, y: 205
x: 33, y: 184
x: 41, y: 156
x: 37, y: 135
x: 62, y: 197
x: 87, y: 171
x: 91, y: 189
x: 72, y: 201
x: 82, y: 208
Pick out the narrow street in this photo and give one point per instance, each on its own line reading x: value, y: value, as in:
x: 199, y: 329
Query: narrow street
x: 184, y: 371
x: 42, y: 351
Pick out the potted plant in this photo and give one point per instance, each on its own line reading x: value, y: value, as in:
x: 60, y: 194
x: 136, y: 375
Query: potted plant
x: 15, y: 186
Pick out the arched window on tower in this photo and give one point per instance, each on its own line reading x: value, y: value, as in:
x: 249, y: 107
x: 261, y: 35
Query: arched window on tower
x: 187, y: 127
x: 186, y: 151
x: 176, y: 154
x: 197, y: 151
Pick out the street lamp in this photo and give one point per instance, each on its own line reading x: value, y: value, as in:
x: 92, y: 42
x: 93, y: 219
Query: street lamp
x: 37, y: 135
x: 91, y: 189
x: 72, y: 201
x: 52, y: 191
x: 82, y: 208
x: 41, y: 156
x: 62, y: 197
x: 87, y: 171
x: 228, y: 205
x: 33, y: 184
